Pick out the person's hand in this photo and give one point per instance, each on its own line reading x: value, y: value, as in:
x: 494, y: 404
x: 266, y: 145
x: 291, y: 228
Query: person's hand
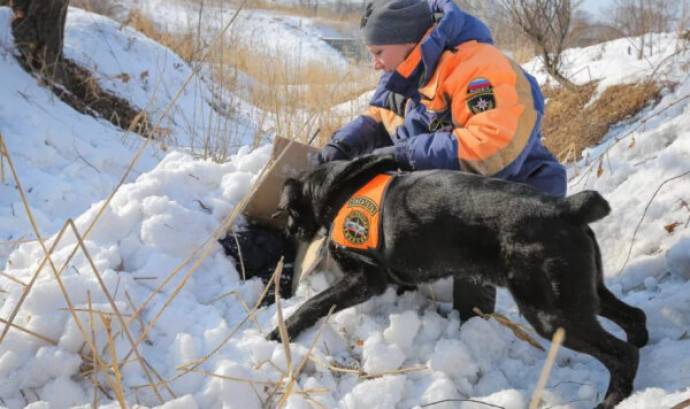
x: 333, y: 151
x: 393, y: 150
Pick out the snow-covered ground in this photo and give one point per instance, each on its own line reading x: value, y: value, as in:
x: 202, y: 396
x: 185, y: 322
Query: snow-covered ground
x: 67, y: 161
x: 617, y: 62
x: 148, y: 250
x: 150, y: 76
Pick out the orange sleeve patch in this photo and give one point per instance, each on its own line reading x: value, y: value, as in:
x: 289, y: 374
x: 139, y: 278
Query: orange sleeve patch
x: 489, y: 139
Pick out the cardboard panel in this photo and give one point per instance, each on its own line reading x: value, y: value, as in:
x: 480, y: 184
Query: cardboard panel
x: 264, y: 202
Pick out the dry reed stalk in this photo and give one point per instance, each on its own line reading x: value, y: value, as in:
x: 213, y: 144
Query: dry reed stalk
x: 239, y: 253
x: 574, y: 181
x: 363, y: 375
x: 282, y: 329
x: 308, y: 391
x: 16, y: 280
x: 556, y: 343
x: 220, y: 297
x: 233, y: 378
x: 517, y: 329
x: 117, y: 382
x: 215, y: 375
x: 206, y: 249
x: 293, y: 376
x: 113, y: 305
x: 161, y: 380
x: 338, y: 369
x: 137, y: 316
x: 133, y: 125
x: 644, y: 214
x: 246, y: 309
x: 401, y: 371
x: 193, y: 365
x: 47, y: 256
x: 682, y: 405
x: 99, y: 312
x: 2, y: 164
x: 314, y: 402
x: 95, y: 358
x: 29, y: 332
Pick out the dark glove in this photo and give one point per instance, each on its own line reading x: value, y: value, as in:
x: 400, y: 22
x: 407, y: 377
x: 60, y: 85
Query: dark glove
x: 396, y: 152
x: 334, y: 151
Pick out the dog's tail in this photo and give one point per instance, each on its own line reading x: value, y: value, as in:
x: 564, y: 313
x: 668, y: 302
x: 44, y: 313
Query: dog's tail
x: 587, y: 206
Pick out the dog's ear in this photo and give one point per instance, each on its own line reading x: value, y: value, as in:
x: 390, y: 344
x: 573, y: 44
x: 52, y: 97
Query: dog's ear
x: 362, y: 169
x: 290, y: 196
x: 296, y: 210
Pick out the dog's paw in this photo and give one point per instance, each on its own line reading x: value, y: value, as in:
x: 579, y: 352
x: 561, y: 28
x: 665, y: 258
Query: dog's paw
x: 638, y: 334
x: 639, y: 338
x: 273, y: 335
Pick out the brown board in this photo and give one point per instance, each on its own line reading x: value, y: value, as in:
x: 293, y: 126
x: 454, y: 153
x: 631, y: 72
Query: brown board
x: 264, y: 201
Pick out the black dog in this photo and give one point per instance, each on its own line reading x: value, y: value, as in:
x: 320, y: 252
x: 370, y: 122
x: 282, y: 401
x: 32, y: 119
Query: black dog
x: 440, y: 223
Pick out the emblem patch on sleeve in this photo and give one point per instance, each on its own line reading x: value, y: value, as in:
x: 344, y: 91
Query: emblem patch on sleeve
x: 480, y: 96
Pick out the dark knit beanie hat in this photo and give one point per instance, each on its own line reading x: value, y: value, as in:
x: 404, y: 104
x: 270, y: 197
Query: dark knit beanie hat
x: 386, y: 22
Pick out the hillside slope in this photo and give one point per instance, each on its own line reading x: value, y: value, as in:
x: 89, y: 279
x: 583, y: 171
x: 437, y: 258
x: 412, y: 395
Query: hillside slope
x: 392, y: 351
x: 67, y: 161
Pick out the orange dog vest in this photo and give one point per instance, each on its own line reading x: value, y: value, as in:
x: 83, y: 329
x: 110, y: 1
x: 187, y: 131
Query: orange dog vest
x: 357, y: 224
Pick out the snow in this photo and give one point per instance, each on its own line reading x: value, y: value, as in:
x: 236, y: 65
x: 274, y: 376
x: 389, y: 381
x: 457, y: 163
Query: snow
x: 295, y: 41
x: 153, y: 250
x: 133, y: 66
x: 617, y: 62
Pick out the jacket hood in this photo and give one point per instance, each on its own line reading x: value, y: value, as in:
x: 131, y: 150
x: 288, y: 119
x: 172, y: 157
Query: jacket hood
x: 453, y: 26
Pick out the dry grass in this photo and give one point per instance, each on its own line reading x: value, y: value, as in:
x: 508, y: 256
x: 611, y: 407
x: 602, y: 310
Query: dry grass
x: 181, y: 43
x: 109, y: 8
x: 295, y: 98
x: 573, y: 123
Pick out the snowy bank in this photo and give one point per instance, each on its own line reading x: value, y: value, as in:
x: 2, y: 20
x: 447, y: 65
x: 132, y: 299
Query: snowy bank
x: 392, y: 351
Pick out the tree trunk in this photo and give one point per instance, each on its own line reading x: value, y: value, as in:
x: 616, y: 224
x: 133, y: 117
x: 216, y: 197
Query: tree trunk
x: 552, y: 67
x: 39, y: 31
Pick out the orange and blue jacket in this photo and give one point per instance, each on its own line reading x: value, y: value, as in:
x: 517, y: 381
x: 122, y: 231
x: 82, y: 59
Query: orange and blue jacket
x: 457, y: 102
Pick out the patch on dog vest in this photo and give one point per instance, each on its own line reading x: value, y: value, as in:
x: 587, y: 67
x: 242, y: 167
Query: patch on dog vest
x: 358, y: 222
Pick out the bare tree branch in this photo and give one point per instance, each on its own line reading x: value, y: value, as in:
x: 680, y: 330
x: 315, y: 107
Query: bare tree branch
x: 547, y: 24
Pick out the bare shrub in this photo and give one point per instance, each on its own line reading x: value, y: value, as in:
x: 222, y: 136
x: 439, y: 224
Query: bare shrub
x: 108, y: 8
x: 573, y: 123
x: 642, y: 18
x: 547, y: 25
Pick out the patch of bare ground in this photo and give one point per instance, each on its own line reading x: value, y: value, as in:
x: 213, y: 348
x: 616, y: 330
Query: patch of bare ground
x: 573, y: 123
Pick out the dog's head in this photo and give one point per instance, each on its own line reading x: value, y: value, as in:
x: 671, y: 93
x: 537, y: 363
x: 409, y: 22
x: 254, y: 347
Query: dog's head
x: 300, y: 219
x: 309, y: 202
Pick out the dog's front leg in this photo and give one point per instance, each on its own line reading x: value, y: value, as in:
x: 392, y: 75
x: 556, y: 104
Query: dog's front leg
x: 352, y: 289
